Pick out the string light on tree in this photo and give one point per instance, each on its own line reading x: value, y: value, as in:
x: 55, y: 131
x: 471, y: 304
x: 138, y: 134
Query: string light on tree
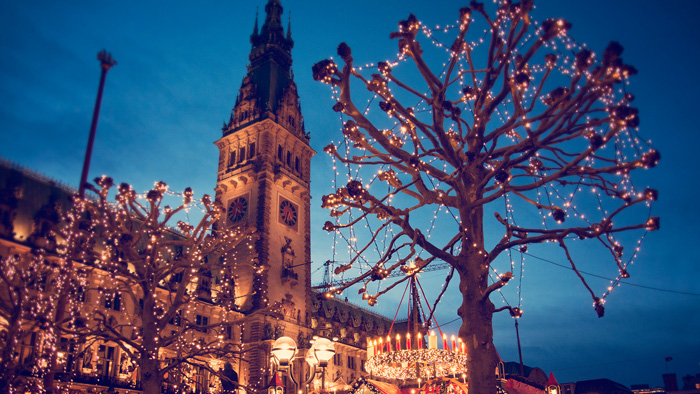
x: 518, y: 112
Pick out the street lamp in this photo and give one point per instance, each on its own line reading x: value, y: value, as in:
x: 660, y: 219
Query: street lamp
x: 285, y: 349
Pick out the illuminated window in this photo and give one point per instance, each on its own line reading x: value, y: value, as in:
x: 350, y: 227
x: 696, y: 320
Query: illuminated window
x: 105, y: 359
x: 80, y: 294
x: 201, y: 321
x: 113, y: 302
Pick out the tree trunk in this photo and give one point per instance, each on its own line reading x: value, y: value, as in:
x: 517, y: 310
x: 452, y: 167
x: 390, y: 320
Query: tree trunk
x: 476, y: 310
x: 477, y: 330
x: 150, y: 374
x: 151, y: 379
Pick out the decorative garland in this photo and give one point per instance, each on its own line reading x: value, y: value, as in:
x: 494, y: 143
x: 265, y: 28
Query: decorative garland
x: 432, y: 363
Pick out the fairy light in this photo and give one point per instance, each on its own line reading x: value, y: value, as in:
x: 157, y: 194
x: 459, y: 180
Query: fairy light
x: 109, y: 278
x: 560, y: 194
x: 559, y: 202
x: 432, y: 363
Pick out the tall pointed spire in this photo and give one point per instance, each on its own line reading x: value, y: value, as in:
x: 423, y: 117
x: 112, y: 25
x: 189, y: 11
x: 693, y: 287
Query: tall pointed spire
x: 271, y: 42
x: 289, y: 27
x: 255, y: 28
x: 273, y: 19
x: 268, y: 90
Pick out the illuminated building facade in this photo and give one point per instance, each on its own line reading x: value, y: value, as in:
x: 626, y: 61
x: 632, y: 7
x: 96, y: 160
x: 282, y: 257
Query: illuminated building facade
x: 263, y: 181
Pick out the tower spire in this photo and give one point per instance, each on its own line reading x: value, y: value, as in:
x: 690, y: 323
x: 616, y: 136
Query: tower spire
x: 255, y: 28
x: 268, y: 90
x: 271, y: 42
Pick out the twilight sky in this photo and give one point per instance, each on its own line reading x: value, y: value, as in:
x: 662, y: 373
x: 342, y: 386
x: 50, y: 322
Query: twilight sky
x: 180, y: 67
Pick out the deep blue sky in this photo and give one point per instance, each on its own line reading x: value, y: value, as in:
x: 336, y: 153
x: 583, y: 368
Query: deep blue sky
x: 179, y: 70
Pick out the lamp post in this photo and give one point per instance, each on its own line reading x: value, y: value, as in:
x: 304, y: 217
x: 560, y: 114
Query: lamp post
x: 285, y: 349
x: 106, y: 62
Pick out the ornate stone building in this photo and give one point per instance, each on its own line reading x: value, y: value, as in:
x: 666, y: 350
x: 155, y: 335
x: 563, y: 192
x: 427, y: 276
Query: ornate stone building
x: 263, y: 180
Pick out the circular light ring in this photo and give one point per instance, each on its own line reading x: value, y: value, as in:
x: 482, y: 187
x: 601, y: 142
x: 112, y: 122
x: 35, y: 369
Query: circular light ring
x: 401, y: 365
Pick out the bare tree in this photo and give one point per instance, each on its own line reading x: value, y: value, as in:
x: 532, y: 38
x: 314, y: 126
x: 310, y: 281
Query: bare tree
x: 519, y: 119
x: 150, y: 290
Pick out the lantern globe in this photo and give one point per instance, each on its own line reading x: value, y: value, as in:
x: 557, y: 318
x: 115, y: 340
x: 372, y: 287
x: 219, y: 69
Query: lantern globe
x: 284, y: 349
x: 323, y: 350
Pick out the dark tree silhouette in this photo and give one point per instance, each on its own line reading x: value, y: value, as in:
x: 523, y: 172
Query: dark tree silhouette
x: 517, y: 119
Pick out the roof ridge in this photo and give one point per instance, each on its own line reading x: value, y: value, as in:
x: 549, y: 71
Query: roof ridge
x: 37, y: 175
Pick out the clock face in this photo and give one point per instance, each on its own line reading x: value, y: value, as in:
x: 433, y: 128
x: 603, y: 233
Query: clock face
x: 237, y: 209
x: 288, y: 213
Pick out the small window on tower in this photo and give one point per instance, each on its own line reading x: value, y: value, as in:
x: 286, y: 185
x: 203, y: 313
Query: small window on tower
x: 242, y: 154
x: 289, y: 158
x: 232, y: 159
x: 279, y: 152
x: 251, y: 150
x: 296, y: 164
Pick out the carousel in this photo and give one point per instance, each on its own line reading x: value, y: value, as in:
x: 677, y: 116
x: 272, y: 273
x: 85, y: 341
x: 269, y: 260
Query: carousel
x: 419, y: 362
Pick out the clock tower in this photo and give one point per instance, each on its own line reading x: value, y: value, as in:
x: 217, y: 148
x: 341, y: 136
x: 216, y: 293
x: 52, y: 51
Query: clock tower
x: 263, y: 181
